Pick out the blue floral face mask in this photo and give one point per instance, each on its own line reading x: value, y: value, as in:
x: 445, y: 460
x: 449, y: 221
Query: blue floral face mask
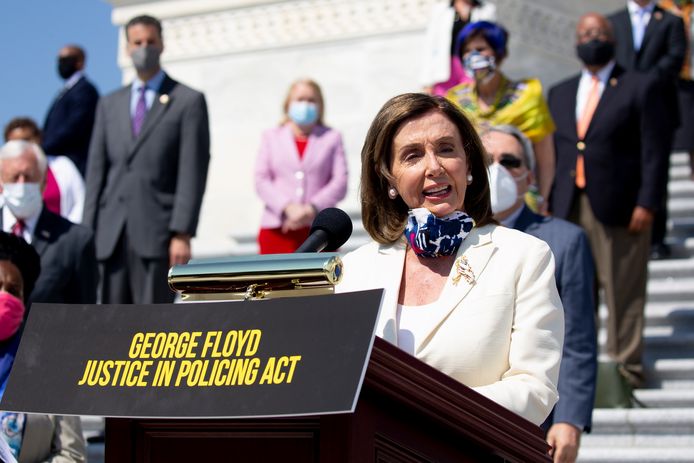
x: 431, y: 236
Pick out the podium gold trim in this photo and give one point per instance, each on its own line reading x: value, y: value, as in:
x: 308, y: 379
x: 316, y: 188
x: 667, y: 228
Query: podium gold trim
x: 257, y: 277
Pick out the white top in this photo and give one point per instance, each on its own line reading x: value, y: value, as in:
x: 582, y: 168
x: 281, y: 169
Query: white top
x: 70, y: 185
x: 416, y: 322
x: 585, y: 83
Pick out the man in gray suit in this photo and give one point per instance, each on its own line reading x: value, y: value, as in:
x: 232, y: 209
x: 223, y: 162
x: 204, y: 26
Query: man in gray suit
x: 146, y: 174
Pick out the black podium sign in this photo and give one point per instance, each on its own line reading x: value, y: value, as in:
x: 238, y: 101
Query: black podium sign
x: 281, y: 357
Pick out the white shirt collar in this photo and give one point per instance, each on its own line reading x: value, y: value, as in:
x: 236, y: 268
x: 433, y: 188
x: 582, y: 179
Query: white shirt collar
x: 603, y: 74
x: 72, y: 80
x: 8, y: 221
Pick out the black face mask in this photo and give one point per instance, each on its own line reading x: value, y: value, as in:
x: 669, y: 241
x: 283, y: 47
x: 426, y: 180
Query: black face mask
x: 595, y: 53
x: 67, y: 66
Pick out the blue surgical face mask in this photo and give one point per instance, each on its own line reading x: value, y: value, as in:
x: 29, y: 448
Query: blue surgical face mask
x: 303, y: 112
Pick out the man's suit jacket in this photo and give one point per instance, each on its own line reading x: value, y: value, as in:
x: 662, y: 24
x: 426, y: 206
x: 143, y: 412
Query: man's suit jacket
x: 575, y: 277
x: 53, y: 438
x: 151, y: 185
x: 501, y: 333
x: 69, y: 272
x: 661, y: 54
x: 318, y: 178
x: 625, y: 148
x: 68, y: 125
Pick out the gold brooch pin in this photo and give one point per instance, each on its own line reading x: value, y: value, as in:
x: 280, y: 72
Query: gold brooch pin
x: 463, y: 270
x: 163, y: 99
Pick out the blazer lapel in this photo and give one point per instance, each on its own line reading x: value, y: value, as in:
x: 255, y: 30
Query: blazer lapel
x: 623, y: 23
x: 607, y: 95
x: 389, y: 273
x: 567, y: 119
x: 312, y: 145
x: 123, y: 119
x: 473, y: 255
x: 651, y: 28
x: 161, y: 103
x: 42, y: 233
x: 292, y: 158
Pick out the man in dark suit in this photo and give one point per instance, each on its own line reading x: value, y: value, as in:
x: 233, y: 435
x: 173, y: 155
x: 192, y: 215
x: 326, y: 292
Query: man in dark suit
x: 652, y: 40
x: 68, y: 126
x: 68, y: 260
x: 146, y: 174
x: 610, y: 161
x: 575, y: 277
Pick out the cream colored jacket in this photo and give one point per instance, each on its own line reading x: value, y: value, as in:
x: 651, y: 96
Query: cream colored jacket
x: 504, y: 331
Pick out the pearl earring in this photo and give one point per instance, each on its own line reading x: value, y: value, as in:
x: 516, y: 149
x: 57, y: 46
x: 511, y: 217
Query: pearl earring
x: 469, y: 179
x: 392, y: 193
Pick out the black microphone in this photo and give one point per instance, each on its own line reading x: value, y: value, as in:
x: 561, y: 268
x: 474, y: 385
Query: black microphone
x: 331, y: 229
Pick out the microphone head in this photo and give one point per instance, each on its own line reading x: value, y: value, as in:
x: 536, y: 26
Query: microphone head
x: 336, y: 224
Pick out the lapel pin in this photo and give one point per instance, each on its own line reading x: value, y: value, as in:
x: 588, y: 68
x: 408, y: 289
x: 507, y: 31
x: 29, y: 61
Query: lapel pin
x: 46, y: 234
x: 613, y: 81
x: 658, y: 15
x: 463, y: 270
x: 163, y: 99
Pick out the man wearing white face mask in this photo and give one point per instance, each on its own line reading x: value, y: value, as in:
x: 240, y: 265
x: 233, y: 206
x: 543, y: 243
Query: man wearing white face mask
x: 510, y: 177
x: 68, y: 259
x: 146, y: 174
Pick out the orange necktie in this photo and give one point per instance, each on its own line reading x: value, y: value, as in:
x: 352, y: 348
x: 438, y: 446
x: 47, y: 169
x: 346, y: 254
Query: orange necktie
x: 582, y: 126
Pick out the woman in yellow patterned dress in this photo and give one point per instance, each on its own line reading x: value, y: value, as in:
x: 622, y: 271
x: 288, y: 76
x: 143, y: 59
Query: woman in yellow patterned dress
x: 493, y: 99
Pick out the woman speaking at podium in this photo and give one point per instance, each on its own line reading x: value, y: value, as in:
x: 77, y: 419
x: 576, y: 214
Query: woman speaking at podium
x: 473, y: 299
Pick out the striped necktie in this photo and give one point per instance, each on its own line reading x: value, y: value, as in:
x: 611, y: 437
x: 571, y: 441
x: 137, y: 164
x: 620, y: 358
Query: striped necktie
x: 140, y: 112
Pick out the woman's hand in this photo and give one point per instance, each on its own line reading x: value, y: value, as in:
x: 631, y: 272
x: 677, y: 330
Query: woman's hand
x: 297, y: 216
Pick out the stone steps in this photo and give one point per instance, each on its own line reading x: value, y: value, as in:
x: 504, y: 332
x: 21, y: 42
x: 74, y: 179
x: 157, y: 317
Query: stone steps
x: 671, y: 289
x: 673, y: 268
x: 664, y: 431
x: 612, y: 454
x: 666, y: 398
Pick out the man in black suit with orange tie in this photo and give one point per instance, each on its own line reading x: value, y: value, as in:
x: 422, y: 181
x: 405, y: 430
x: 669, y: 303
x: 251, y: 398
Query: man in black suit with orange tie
x: 68, y: 126
x: 611, y: 158
x: 652, y: 40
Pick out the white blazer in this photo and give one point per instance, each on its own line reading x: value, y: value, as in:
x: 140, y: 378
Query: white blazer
x: 504, y: 330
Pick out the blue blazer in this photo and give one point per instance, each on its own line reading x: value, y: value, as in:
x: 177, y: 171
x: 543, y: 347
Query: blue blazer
x: 68, y: 126
x: 575, y: 278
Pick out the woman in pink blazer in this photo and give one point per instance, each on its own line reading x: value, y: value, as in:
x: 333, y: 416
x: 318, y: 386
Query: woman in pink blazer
x: 301, y: 169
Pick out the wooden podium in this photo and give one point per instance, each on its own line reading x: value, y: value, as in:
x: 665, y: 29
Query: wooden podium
x: 407, y: 412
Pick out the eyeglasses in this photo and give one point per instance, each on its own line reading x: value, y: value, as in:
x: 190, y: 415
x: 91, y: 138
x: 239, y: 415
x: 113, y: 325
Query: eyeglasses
x: 509, y: 161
